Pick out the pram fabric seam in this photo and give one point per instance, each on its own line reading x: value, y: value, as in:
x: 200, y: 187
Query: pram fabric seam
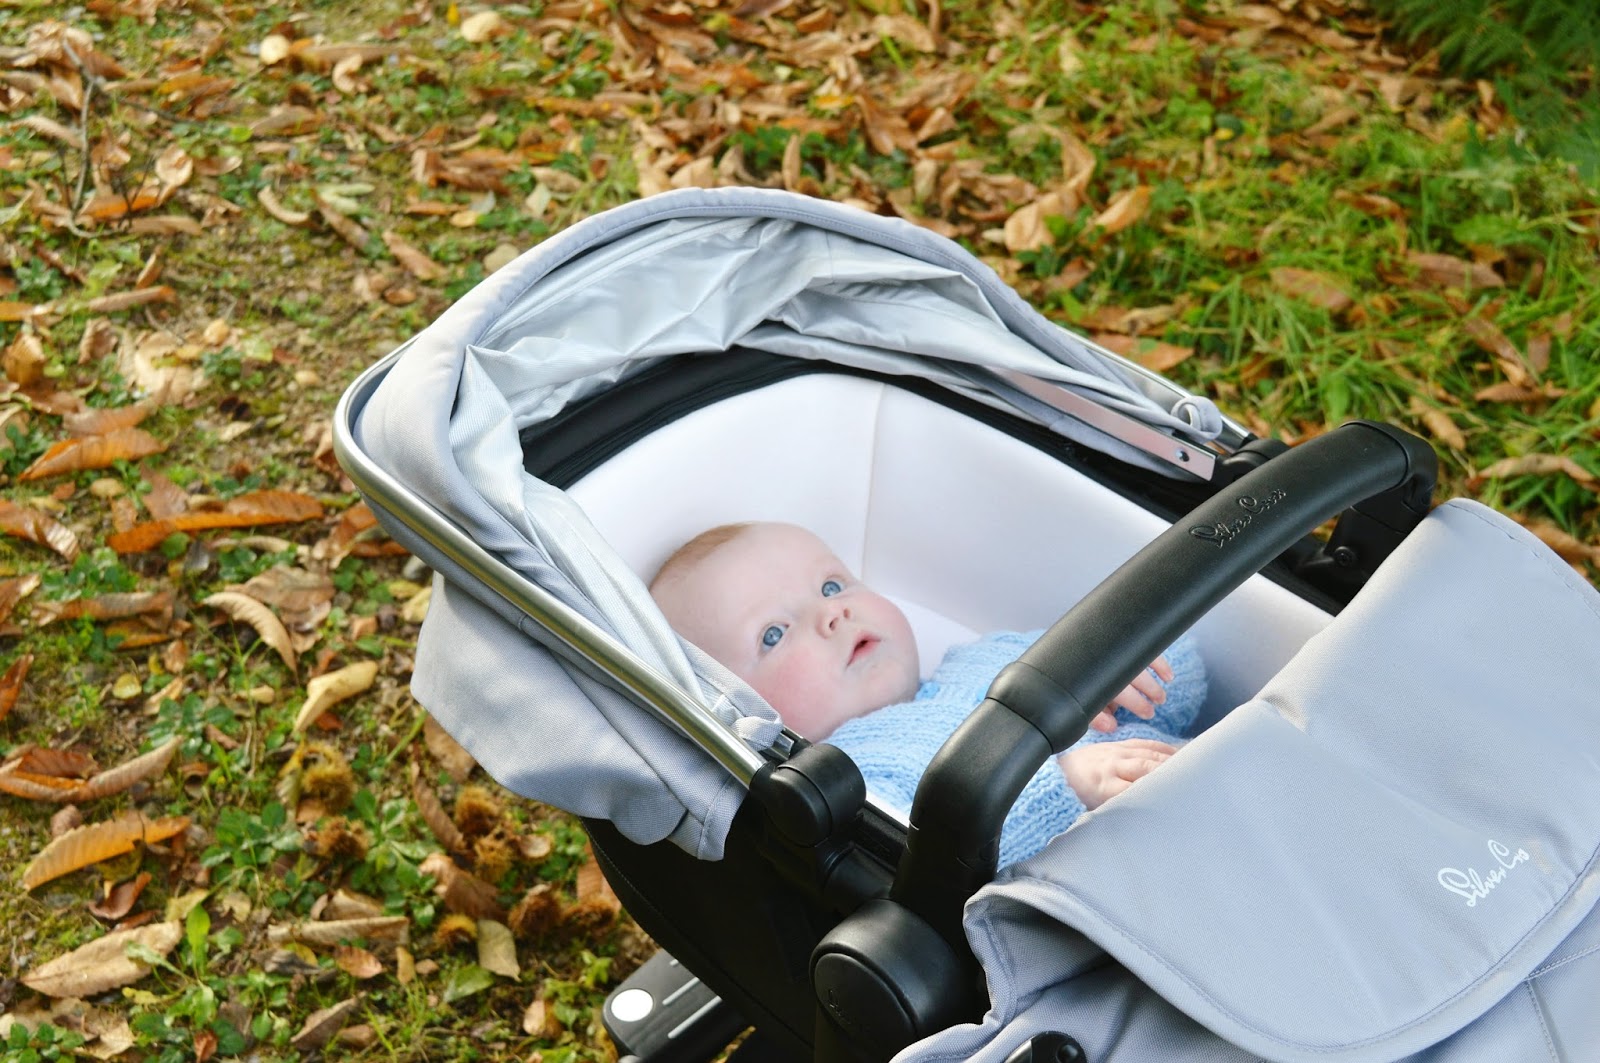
x: 1538, y: 972
x: 1544, y: 1025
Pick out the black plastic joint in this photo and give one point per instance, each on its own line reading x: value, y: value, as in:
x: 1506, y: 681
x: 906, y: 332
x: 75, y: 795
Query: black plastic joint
x: 812, y: 796
x: 886, y: 979
x: 1037, y: 698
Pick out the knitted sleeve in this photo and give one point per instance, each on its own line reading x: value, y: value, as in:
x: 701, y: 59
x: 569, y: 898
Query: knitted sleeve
x: 894, y: 745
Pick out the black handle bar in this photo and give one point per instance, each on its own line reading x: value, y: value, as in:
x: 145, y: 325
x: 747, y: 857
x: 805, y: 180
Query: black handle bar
x: 1043, y: 702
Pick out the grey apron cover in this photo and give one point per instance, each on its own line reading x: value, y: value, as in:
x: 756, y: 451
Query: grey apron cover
x: 1397, y: 838
x: 681, y: 273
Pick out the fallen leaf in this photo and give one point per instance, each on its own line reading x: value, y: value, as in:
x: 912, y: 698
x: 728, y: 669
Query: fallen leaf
x: 205, y: 1045
x: 1318, y: 289
x: 347, y: 904
x: 337, y: 931
x: 11, y: 683
x: 289, y: 121
x: 248, y: 610
x: 320, y: 1026
x: 1447, y: 271
x: 97, y: 421
x: 462, y: 891
x: 1125, y: 208
x: 356, y: 962
x: 110, y: 304
x: 1152, y: 354
x: 326, y: 691
x: 63, y: 763
x: 102, y: 964
x: 1518, y: 393
x: 1532, y: 465
x: 357, y: 534
x: 1439, y: 424
x: 434, y: 815
x: 141, y: 768
x: 1569, y: 547
x: 94, y: 842
x: 1487, y: 335
x: 483, y: 26
x: 25, y: 522
x: 120, y: 899
x: 270, y: 203
x: 497, y: 949
x: 24, y: 360
x: 93, y: 452
x: 416, y: 263
x: 592, y: 887
x: 450, y: 754
x: 1025, y: 229
x: 115, y: 606
x: 165, y: 499
x: 243, y: 511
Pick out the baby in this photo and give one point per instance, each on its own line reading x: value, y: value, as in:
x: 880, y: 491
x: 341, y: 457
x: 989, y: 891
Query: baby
x: 839, y: 662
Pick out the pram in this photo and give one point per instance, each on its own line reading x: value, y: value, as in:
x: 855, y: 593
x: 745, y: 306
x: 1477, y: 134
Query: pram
x: 1382, y: 846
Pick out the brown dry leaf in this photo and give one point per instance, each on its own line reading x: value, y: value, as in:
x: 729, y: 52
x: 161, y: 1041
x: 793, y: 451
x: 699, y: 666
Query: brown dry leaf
x: 416, y: 263
x: 885, y: 129
x: 1438, y: 424
x: 165, y: 499
x: 1370, y: 203
x: 99, y: 422
x: 437, y: 819
x: 357, y: 963
x: 1518, y: 393
x: 357, y: 534
x: 1436, y: 270
x: 484, y: 26
x: 1125, y: 208
x: 1026, y: 230
x: 110, y: 304
x: 270, y: 203
x: 11, y: 683
x: 34, y: 787
x: 497, y: 949
x: 28, y: 523
x: 1487, y: 335
x: 320, y: 1026
x: 120, y: 899
x: 116, y: 606
x: 93, y: 842
x: 462, y: 891
x: 64, y: 763
x: 1316, y: 288
x: 326, y: 691
x: 1152, y: 354
x: 248, y: 610
x: 336, y: 931
x: 145, y: 766
x: 102, y: 964
x: 1571, y: 549
x: 302, y: 597
x: 450, y: 754
x: 1532, y: 465
x: 290, y: 121
x: 94, y: 452
x: 592, y: 887
x: 14, y: 311
x: 13, y: 591
x: 247, y: 510
x: 24, y: 360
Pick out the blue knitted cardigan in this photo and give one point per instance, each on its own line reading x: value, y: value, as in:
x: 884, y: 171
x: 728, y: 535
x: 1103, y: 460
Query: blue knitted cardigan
x: 894, y: 745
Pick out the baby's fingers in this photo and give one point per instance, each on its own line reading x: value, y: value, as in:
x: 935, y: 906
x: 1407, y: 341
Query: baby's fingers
x: 1162, y: 668
x: 1104, y: 721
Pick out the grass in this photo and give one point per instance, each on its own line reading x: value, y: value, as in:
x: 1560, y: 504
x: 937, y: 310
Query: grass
x: 1267, y: 147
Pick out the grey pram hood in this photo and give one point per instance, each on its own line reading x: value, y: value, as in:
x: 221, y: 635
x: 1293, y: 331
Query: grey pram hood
x: 1395, y: 839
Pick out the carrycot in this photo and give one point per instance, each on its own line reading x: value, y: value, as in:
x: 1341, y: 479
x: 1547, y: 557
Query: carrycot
x: 1382, y: 846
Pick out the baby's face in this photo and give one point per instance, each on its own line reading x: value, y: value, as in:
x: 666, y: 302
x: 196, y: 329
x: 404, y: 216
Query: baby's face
x: 777, y: 609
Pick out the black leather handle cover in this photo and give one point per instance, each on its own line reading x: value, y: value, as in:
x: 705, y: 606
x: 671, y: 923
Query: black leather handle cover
x: 1044, y: 701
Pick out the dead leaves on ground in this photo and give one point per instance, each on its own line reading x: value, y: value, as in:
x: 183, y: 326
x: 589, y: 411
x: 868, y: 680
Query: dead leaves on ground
x: 249, y: 510
x: 29, y: 776
x: 95, y: 842
x: 103, y: 963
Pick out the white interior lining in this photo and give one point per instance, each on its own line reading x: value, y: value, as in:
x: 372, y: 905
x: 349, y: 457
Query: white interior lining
x: 968, y: 529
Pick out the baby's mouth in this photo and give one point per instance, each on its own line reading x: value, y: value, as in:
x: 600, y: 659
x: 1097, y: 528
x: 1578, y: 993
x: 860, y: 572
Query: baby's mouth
x: 864, y: 645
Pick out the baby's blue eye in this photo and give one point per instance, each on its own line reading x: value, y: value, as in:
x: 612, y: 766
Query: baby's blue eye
x: 771, y: 636
x: 831, y: 587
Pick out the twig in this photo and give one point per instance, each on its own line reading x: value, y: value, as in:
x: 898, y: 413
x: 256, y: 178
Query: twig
x: 410, y: 737
x: 89, y: 82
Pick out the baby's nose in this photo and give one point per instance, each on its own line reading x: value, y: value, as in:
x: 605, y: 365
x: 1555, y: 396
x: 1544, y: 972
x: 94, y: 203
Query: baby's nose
x: 832, y: 613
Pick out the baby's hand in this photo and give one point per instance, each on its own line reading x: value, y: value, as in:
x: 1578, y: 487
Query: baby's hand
x: 1101, y: 771
x: 1139, y: 697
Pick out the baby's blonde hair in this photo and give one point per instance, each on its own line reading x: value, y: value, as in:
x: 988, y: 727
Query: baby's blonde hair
x: 696, y: 550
